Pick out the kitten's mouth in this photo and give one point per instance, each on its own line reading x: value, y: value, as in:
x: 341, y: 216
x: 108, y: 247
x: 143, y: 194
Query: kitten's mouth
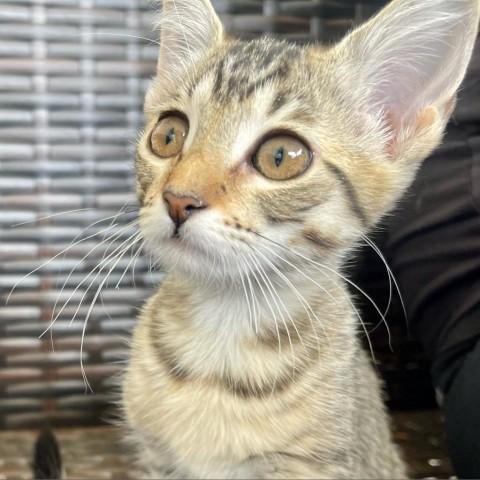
x: 177, y: 237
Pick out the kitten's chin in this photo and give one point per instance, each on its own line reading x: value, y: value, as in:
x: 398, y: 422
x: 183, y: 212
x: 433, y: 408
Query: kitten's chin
x: 177, y: 256
x: 208, y: 251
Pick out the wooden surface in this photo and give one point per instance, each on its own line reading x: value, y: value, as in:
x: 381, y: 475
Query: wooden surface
x: 97, y: 452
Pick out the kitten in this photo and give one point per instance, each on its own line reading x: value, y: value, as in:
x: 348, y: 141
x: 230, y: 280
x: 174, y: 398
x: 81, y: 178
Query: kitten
x: 260, y: 167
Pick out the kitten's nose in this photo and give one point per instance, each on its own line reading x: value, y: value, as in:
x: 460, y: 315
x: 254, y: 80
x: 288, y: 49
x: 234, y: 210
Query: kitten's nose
x: 180, y: 207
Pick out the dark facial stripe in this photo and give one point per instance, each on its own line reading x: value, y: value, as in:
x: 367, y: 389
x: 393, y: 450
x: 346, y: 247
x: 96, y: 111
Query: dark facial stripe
x: 280, y: 72
x: 350, y: 192
x: 198, y: 76
x: 218, y: 77
x: 143, y: 177
x: 248, y: 66
x: 316, y: 238
x: 287, y: 204
x: 279, y: 101
x: 241, y: 52
x: 280, y: 217
x: 276, y: 53
x: 233, y: 84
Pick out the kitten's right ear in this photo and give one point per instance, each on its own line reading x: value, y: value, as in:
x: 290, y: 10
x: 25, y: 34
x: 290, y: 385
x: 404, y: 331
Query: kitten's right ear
x: 404, y: 67
x: 188, y: 28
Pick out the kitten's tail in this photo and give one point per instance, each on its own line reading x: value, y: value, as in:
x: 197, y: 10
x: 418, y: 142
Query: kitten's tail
x: 47, y: 461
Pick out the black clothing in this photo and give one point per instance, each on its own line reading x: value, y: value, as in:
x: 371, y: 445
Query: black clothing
x: 461, y: 406
x: 433, y: 247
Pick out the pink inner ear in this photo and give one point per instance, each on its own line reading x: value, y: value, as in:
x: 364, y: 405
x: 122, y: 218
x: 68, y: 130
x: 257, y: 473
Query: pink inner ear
x: 400, y: 91
x: 414, y: 67
x: 424, y: 120
x: 393, y: 126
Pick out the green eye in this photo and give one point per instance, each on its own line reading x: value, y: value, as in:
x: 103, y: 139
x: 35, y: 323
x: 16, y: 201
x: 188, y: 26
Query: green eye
x: 282, y: 157
x: 168, y: 136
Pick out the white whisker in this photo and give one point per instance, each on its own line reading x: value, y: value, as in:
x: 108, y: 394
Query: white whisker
x: 243, y: 271
x: 319, y: 267
x: 391, y: 276
x: 86, y: 34
x: 120, y: 250
x: 255, y: 306
x: 276, y: 294
x: 115, y: 236
x: 259, y: 283
x: 273, y: 294
x: 99, y: 266
x: 50, y: 260
x: 99, y: 289
x: 132, y: 257
x: 304, y: 302
x: 50, y: 216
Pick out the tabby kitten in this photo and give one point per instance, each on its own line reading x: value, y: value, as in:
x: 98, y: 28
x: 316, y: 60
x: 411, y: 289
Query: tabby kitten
x: 261, y: 165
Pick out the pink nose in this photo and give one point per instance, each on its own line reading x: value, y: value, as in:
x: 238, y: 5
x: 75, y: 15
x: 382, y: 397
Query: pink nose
x: 180, y: 207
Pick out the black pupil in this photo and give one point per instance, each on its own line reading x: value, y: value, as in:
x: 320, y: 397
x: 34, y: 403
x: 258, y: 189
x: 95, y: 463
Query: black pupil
x: 170, y: 136
x: 279, y: 156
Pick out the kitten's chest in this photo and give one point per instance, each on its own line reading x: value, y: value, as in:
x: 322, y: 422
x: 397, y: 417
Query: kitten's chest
x: 212, y: 392
x: 200, y: 418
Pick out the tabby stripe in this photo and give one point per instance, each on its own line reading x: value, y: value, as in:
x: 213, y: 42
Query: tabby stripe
x: 350, y: 192
x: 278, y: 54
x: 280, y: 72
x: 248, y: 390
x: 282, y: 335
x: 168, y: 359
x: 281, y: 217
x: 236, y: 387
x: 314, y: 458
x: 317, y: 238
x: 279, y: 101
x: 218, y: 77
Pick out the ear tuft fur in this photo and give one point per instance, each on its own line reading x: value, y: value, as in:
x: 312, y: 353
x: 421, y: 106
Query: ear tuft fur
x: 187, y: 30
x: 412, y: 55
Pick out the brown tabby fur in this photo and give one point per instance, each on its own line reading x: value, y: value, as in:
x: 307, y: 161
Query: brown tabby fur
x: 245, y: 362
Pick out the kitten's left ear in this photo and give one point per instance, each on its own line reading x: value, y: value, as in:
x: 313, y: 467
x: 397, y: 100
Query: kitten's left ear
x: 188, y: 28
x: 405, y: 66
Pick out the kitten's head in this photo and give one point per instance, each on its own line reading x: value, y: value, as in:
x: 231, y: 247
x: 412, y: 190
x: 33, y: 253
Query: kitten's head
x: 260, y: 155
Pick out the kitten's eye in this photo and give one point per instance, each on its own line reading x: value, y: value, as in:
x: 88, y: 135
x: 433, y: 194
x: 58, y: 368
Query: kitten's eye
x: 168, y: 136
x: 282, y: 157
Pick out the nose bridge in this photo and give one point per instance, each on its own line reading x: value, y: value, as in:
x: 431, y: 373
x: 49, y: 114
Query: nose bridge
x: 195, y: 175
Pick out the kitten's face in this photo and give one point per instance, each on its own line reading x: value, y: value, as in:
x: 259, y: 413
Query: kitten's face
x: 260, y: 157
x: 245, y: 138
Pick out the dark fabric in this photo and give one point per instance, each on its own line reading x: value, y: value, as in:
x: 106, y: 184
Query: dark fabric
x: 433, y: 247
x: 433, y: 241
x: 462, y: 416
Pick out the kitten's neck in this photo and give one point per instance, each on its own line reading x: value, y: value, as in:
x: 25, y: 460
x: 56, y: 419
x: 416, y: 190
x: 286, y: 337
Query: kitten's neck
x: 250, y: 342
x: 247, y: 307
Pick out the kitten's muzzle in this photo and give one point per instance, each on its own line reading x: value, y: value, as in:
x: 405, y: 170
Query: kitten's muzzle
x: 181, y: 207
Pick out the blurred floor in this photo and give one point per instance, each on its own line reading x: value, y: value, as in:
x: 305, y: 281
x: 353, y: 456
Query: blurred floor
x: 421, y: 436
x: 96, y: 452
